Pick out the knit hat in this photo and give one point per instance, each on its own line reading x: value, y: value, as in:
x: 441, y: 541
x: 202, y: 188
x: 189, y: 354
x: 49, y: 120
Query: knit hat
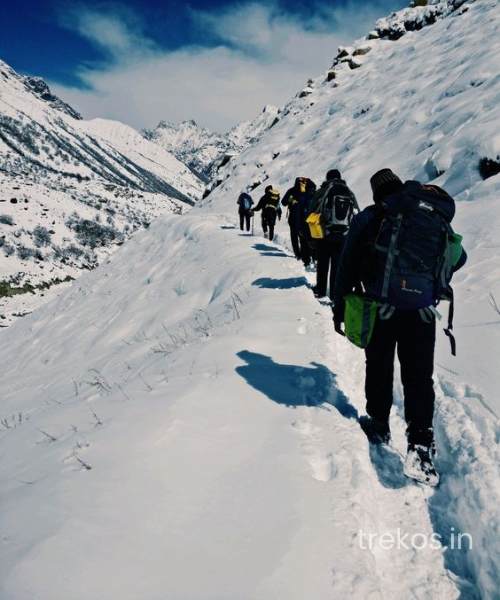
x: 333, y: 174
x: 384, y: 179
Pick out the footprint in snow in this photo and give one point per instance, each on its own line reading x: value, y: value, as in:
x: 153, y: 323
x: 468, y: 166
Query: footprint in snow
x: 302, y: 328
x: 323, y: 467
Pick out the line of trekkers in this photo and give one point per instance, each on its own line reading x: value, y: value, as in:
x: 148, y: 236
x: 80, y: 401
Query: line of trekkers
x: 386, y: 268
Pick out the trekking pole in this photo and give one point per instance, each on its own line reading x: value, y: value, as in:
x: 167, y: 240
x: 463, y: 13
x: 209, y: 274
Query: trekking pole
x: 253, y: 220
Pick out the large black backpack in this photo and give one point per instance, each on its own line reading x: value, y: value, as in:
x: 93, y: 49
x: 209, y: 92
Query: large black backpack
x: 415, y: 251
x: 336, y: 205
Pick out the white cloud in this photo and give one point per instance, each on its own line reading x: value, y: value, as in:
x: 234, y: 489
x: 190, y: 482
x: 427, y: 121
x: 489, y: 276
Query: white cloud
x: 119, y: 33
x: 264, y: 56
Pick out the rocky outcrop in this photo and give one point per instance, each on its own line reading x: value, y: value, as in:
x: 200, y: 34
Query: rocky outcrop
x: 41, y: 90
x: 421, y: 13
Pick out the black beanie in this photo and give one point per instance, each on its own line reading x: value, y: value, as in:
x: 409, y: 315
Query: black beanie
x: 382, y: 178
x: 333, y: 174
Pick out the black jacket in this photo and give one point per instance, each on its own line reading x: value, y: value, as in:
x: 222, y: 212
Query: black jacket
x: 299, y: 205
x: 268, y: 200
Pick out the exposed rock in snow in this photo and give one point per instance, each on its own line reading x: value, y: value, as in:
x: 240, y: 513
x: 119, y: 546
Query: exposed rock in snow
x: 38, y: 86
x: 421, y: 14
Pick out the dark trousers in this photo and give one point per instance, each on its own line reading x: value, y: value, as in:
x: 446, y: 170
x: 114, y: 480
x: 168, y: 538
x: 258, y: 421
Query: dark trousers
x: 269, y: 221
x: 328, y: 254
x: 294, y: 237
x: 300, y: 244
x: 305, y: 248
x: 415, y: 341
x: 245, y: 217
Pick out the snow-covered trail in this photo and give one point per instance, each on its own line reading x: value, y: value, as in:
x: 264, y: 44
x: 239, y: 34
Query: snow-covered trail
x: 185, y: 427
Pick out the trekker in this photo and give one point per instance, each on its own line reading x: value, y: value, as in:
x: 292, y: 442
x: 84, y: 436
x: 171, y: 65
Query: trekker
x: 336, y: 204
x: 245, y: 204
x: 269, y: 204
x: 398, y: 250
x: 298, y: 200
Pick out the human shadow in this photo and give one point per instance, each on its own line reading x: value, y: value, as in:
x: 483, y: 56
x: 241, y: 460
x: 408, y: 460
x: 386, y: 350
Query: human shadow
x: 315, y: 385
x: 293, y: 385
x: 388, y: 465
x: 267, y: 250
x: 271, y: 283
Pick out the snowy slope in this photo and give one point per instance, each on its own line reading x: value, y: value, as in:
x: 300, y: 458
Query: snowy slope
x: 146, y: 154
x: 71, y: 190
x: 203, y: 150
x: 185, y: 424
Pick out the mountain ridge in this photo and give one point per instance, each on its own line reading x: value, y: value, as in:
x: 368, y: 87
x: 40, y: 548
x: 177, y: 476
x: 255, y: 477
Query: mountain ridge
x: 203, y: 150
x: 56, y: 165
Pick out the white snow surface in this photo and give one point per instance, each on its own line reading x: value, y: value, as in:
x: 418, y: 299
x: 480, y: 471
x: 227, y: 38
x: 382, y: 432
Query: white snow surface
x: 181, y: 422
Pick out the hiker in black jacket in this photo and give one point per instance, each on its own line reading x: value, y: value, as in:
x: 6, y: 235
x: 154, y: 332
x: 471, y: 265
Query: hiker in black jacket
x: 245, y: 204
x: 298, y: 201
x: 412, y: 331
x: 336, y: 204
x: 269, y: 204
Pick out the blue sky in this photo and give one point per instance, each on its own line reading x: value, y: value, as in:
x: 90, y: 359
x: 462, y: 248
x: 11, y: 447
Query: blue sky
x: 217, y: 61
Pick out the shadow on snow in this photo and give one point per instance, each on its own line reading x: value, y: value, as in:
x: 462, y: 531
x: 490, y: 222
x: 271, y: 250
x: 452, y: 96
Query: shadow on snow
x: 293, y: 385
x: 315, y: 385
x: 267, y: 250
x: 280, y: 284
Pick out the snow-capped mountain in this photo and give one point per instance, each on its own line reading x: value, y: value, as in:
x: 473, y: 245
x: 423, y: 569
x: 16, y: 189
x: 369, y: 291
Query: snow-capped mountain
x: 205, y: 151
x: 71, y: 190
x: 186, y: 423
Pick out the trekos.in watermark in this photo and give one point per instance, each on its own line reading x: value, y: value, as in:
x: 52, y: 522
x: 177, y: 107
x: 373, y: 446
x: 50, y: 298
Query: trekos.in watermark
x: 401, y: 540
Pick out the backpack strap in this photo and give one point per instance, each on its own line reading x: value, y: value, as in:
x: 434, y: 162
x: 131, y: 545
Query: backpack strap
x: 429, y: 314
x: 445, y: 276
x: 386, y: 311
x: 392, y: 252
x: 324, y: 196
x: 449, y: 328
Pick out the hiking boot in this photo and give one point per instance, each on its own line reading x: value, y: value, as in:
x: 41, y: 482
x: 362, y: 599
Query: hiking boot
x: 317, y: 293
x: 377, y: 432
x: 419, y: 464
x: 421, y: 437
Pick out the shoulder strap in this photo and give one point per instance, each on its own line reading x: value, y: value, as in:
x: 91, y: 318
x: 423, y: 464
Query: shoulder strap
x: 324, y: 195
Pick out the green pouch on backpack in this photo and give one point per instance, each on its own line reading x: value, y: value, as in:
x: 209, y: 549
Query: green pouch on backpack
x: 454, y: 248
x: 360, y: 317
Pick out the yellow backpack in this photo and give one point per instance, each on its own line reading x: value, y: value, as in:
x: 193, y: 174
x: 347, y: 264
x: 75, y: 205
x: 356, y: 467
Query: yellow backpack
x: 315, y: 227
